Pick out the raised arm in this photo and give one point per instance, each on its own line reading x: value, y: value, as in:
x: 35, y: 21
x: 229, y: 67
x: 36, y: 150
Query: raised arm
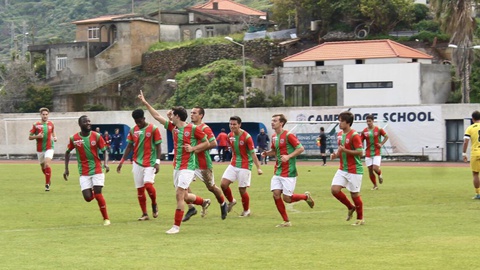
x: 151, y: 110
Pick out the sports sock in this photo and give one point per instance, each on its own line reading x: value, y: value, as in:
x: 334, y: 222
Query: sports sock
x: 477, y: 190
x: 48, y: 175
x: 141, y: 199
x: 245, y: 201
x: 324, y: 158
x: 359, y: 206
x: 281, y: 208
x: 178, y: 217
x: 151, y: 192
x: 373, y: 178
x: 102, y: 205
x: 299, y: 197
x: 198, y: 200
x: 228, y: 194
x: 343, y: 199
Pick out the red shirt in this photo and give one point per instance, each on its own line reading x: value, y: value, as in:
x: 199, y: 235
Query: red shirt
x: 222, y: 139
x: 242, y: 148
x: 45, y: 143
x: 87, y: 149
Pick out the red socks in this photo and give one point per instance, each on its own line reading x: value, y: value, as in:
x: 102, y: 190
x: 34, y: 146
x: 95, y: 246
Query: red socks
x: 245, y: 201
x: 141, y: 199
x: 299, y: 197
x: 343, y: 199
x: 228, y: 194
x: 373, y: 178
x: 48, y: 175
x: 102, y: 205
x: 281, y: 208
x: 178, y: 217
x: 198, y: 201
x: 151, y: 192
x: 359, y: 207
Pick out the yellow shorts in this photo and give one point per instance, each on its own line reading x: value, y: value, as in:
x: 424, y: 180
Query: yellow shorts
x: 475, y: 163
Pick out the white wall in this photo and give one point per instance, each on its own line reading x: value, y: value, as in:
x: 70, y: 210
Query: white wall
x: 407, y: 124
x: 405, y: 78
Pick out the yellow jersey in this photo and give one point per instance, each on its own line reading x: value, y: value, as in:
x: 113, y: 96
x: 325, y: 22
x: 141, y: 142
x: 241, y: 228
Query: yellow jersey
x: 472, y: 133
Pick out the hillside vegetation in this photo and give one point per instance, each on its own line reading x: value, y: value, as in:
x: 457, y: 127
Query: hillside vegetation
x: 50, y: 21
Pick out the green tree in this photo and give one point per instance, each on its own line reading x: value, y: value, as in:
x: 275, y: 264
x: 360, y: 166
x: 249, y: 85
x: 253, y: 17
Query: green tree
x: 36, y: 98
x: 455, y: 18
x: 16, y: 79
x: 258, y: 99
x: 385, y: 15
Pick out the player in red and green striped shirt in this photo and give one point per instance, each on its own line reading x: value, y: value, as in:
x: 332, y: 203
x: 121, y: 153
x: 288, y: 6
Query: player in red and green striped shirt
x: 87, y: 145
x: 144, y: 139
x: 44, y: 132
x: 243, y: 156
x: 285, y: 147
x: 375, y: 137
x: 204, y: 169
x: 188, y: 140
x: 350, y: 173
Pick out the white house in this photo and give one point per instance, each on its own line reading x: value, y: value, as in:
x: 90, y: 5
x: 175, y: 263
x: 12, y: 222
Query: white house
x: 367, y: 72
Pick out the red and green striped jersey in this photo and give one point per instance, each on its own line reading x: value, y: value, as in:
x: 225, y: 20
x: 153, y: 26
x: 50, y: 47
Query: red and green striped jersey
x: 284, y: 144
x: 189, y: 134
x: 45, y: 143
x: 372, y: 137
x: 204, y: 161
x: 351, y: 141
x: 87, y: 149
x: 144, y: 141
x: 242, y: 150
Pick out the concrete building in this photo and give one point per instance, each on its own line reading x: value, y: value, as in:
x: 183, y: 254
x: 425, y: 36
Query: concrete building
x: 356, y: 73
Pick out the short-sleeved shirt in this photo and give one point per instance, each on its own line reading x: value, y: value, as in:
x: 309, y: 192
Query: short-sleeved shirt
x: 189, y: 134
x: 284, y: 144
x: 204, y: 161
x: 222, y: 139
x: 144, y: 141
x: 87, y: 149
x: 242, y: 149
x: 372, y: 137
x: 351, y: 141
x: 472, y: 133
x: 45, y: 143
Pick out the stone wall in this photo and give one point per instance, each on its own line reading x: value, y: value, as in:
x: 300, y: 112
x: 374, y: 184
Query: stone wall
x: 180, y: 59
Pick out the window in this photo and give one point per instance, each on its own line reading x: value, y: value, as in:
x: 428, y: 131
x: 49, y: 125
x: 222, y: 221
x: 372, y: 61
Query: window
x: 363, y: 85
x: 297, y: 95
x: 61, y: 63
x: 324, y: 94
x: 359, y: 61
x: 319, y: 63
x: 93, y: 32
x: 210, y: 31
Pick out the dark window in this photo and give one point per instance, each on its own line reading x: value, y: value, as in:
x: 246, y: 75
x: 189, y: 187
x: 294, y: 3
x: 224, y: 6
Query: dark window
x: 414, y: 60
x: 359, y: 61
x: 324, y: 94
x: 296, y: 95
x: 319, y: 63
x: 363, y: 85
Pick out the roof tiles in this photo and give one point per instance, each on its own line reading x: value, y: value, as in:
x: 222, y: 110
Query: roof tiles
x: 365, y: 49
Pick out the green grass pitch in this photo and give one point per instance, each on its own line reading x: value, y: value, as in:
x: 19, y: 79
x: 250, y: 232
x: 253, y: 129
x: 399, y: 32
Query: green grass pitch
x: 421, y: 218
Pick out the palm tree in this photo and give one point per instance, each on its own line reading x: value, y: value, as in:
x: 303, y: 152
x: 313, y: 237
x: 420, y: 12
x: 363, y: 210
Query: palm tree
x: 455, y: 18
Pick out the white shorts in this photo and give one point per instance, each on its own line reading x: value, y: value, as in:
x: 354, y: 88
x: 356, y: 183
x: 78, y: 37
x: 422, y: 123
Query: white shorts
x: 352, y: 182
x: 244, y: 176
x: 206, y: 176
x: 286, y: 184
x: 376, y: 160
x: 183, y: 178
x: 142, y: 175
x: 88, y: 181
x: 43, y: 155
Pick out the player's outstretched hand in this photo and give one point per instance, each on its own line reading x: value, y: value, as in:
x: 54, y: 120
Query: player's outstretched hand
x: 107, y: 169
x: 259, y: 171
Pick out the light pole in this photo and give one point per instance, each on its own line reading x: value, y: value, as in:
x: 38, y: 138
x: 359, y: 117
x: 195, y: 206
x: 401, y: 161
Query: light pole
x: 465, y: 56
x: 243, y: 67
x: 173, y: 82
